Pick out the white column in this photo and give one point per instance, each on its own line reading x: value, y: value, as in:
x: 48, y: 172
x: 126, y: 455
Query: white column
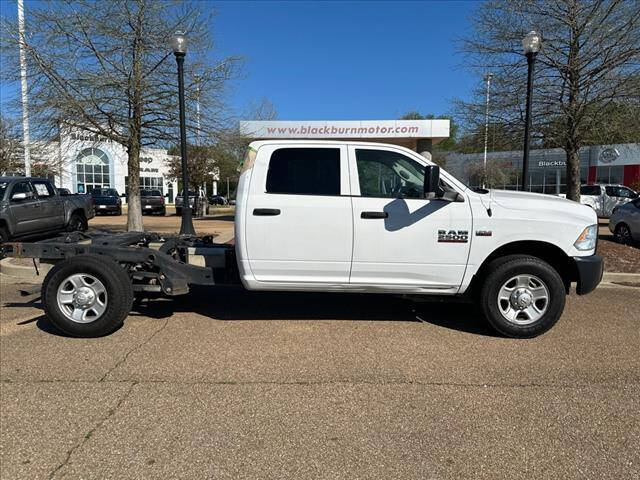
x: 23, y: 81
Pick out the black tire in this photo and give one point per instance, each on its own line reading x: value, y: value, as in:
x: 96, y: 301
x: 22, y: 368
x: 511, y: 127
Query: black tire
x: 179, y: 211
x: 500, y: 271
x: 77, y: 223
x: 4, y: 234
x: 119, y: 211
x: 119, y: 294
x: 622, y: 234
x: 163, y: 212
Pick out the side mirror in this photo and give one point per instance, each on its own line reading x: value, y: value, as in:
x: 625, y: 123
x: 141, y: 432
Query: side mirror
x: 166, y: 195
x: 432, y: 188
x: 18, y: 197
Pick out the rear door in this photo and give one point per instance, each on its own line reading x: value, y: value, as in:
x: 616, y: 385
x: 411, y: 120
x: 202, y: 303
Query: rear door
x: 298, y: 221
x: 25, y: 213
x: 402, y: 240
x: 51, y: 206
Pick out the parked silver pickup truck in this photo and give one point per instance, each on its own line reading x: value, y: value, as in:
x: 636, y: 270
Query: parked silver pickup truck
x: 33, y: 206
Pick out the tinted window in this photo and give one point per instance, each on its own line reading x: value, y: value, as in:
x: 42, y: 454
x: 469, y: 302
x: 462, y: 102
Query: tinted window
x: 104, y: 192
x: 590, y: 190
x: 43, y: 189
x: 22, y: 187
x: 150, y: 193
x: 383, y: 173
x: 619, y: 192
x: 304, y: 171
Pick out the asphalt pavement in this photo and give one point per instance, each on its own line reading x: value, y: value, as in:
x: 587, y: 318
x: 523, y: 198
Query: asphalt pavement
x: 230, y: 384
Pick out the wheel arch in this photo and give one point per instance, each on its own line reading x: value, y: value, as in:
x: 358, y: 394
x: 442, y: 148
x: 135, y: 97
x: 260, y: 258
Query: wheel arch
x: 548, y: 252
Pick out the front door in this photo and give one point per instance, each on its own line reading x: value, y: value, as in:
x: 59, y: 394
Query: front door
x: 298, y: 218
x: 25, y: 212
x: 401, y: 239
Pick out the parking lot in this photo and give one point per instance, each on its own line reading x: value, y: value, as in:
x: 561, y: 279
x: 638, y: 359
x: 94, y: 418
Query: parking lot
x: 231, y: 384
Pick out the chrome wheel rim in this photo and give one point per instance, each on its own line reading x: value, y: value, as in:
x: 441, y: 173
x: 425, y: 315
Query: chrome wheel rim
x: 82, y: 298
x: 523, y: 299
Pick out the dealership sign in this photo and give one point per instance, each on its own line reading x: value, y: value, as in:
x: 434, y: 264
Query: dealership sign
x: 365, y: 129
x: 609, y: 155
x: 551, y: 163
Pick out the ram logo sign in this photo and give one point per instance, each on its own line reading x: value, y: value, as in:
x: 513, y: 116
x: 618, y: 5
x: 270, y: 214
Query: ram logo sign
x: 453, y: 236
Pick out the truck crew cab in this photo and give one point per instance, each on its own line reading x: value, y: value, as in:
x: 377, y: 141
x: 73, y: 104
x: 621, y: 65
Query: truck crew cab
x: 346, y: 216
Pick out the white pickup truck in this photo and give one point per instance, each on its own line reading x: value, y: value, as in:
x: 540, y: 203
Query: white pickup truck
x: 328, y: 216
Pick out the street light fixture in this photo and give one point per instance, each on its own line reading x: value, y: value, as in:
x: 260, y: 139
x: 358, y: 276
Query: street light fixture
x: 531, y: 44
x: 179, y: 46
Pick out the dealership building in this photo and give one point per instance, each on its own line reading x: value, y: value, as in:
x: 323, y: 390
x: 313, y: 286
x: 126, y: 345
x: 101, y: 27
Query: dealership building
x: 83, y: 161
x: 617, y: 164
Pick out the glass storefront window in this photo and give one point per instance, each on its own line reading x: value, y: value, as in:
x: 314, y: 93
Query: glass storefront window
x: 610, y: 174
x: 92, y: 169
x: 156, y: 183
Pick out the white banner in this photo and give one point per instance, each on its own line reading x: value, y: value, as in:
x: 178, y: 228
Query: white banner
x: 364, y: 129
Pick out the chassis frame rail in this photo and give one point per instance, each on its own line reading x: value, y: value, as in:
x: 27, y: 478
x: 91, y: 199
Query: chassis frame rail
x: 172, y: 275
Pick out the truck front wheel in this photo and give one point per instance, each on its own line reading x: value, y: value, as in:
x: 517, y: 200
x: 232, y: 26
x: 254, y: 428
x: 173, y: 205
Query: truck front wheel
x: 87, y: 295
x: 522, y: 296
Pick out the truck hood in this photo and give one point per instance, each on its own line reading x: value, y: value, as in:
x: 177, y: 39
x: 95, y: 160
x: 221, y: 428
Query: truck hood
x: 538, y: 202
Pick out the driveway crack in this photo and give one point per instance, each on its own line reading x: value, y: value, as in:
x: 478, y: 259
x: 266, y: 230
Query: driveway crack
x: 137, y: 347
x: 86, y: 437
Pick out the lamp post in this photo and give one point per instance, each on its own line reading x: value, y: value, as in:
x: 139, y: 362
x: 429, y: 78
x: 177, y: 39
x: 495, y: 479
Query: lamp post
x: 179, y: 45
x: 486, y: 129
x: 531, y: 44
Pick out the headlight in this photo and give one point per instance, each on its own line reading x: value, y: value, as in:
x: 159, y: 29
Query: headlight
x: 587, y: 239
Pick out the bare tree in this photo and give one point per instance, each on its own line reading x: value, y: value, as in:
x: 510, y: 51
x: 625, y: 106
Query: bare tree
x: 107, y: 68
x: 495, y: 175
x: 589, y: 65
x: 10, y: 146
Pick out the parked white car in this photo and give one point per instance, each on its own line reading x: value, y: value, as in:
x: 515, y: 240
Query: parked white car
x: 625, y: 222
x: 604, y: 198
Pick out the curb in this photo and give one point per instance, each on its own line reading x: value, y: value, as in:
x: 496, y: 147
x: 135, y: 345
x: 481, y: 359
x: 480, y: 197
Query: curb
x: 7, y: 267
x: 620, y: 277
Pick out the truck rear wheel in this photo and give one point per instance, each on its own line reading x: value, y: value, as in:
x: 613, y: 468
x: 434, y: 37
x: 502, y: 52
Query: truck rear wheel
x: 87, y: 295
x: 522, y: 296
x: 77, y: 223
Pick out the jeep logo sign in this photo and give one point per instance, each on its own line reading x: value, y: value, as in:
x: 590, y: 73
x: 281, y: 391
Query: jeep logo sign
x: 609, y: 155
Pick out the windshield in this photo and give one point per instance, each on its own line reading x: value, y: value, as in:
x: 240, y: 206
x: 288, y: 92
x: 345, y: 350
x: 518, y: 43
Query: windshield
x: 104, y: 192
x: 191, y: 193
x: 150, y: 193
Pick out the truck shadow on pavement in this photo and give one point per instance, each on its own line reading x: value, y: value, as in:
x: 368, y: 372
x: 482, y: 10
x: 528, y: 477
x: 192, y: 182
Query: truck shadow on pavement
x: 236, y: 304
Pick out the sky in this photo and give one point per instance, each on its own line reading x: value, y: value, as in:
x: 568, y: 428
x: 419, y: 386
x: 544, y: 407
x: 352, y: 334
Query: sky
x: 335, y: 60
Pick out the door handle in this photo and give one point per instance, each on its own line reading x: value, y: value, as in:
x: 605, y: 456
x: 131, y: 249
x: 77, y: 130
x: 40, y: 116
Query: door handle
x: 374, y: 215
x: 266, y: 212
